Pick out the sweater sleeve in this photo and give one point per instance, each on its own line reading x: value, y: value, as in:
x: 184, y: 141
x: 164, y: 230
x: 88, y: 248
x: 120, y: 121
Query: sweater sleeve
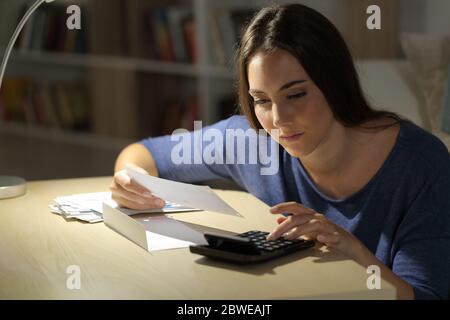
x: 421, y: 254
x: 191, y: 156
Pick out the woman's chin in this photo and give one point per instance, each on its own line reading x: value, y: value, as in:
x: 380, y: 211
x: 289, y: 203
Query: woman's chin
x: 294, y: 151
x: 294, y: 148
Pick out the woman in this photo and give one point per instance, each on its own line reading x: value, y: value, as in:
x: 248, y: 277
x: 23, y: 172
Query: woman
x: 367, y: 183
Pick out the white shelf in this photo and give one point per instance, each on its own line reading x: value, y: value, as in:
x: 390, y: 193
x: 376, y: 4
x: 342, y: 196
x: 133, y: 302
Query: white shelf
x: 99, y: 61
x: 63, y: 135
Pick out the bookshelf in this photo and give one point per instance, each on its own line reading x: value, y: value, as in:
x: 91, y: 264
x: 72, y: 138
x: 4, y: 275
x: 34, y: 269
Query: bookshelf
x: 116, y: 68
x: 136, y: 79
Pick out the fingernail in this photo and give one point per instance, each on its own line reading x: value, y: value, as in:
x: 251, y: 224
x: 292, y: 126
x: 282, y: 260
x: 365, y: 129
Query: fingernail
x: 160, y: 203
x: 148, y: 194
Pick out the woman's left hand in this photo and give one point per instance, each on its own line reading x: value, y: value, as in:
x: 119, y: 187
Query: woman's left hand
x: 307, y: 223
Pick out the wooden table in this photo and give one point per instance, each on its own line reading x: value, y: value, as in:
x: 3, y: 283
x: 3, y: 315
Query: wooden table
x: 37, y: 247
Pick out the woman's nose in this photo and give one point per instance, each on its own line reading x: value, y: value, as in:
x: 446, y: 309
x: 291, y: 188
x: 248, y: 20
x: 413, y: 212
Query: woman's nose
x: 280, y: 116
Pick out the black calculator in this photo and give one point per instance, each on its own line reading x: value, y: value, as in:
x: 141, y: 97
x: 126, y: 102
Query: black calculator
x: 248, y: 247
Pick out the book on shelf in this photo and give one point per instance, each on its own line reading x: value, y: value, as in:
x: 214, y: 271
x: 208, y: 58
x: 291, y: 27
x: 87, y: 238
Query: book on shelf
x: 163, y: 36
x: 218, y: 51
x: 191, y: 112
x: 225, y: 29
x: 49, y: 107
x: 2, y: 108
x: 38, y: 105
x: 176, y: 19
x: 170, y: 34
x: 58, y: 105
x: 222, y: 23
x: 179, y: 113
x: 46, y: 31
x: 64, y: 108
x: 171, y: 120
x: 13, y: 91
x: 191, y: 43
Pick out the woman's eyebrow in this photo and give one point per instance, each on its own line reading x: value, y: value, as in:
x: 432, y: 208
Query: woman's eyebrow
x: 290, y: 84
x: 283, y: 87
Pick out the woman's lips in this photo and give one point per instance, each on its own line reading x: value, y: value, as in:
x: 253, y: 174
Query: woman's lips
x: 291, y: 137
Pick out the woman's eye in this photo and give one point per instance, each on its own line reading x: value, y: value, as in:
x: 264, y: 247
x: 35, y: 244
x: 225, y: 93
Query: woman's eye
x: 298, y: 95
x: 259, y: 102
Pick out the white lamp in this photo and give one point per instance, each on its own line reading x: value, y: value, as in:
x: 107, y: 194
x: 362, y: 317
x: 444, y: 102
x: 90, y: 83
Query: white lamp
x: 15, y: 186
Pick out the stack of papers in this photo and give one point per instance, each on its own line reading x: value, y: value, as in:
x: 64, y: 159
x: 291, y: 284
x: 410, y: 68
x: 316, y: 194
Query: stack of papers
x: 179, y: 197
x: 81, y: 206
x: 89, y: 207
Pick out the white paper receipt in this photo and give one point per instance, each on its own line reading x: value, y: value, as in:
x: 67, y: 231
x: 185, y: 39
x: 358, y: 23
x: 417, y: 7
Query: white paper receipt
x: 201, y: 197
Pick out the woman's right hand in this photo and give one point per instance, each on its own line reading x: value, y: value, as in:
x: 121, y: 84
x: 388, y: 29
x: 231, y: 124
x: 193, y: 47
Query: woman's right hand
x: 129, y: 194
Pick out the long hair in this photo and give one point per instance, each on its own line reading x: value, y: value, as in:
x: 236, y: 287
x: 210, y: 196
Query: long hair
x: 319, y: 47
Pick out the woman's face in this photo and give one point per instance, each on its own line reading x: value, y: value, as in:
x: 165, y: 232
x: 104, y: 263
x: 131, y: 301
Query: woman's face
x: 285, y: 98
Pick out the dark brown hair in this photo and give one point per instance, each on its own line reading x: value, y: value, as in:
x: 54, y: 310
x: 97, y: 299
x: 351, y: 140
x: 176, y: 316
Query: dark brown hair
x: 319, y: 47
